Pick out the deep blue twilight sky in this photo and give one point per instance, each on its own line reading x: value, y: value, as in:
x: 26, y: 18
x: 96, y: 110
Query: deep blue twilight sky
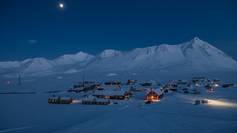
x: 39, y: 28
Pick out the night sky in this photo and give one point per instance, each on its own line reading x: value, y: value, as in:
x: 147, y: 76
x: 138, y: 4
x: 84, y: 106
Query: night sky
x: 40, y: 28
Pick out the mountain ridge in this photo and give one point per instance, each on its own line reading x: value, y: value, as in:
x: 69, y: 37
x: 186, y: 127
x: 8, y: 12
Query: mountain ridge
x: 194, y: 55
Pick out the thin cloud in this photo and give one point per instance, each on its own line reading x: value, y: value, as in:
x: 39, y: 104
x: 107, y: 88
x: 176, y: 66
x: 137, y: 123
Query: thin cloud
x: 32, y: 41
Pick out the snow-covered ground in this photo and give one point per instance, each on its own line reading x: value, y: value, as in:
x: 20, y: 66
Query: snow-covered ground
x: 24, y: 108
x: 23, y: 113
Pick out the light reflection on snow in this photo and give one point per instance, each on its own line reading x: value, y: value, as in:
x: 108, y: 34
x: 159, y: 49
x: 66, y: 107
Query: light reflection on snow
x: 76, y: 101
x: 220, y: 103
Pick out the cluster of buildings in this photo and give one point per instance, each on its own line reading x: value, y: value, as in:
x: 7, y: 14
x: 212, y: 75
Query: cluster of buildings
x: 111, y: 92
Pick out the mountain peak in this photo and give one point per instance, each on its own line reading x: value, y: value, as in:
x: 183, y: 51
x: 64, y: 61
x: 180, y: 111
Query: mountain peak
x: 81, y: 53
x: 109, y: 53
x: 73, y: 58
x: 197, y: 40
x: 195, y: 43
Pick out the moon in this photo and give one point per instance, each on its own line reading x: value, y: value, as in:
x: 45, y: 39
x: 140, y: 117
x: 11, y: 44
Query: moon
x: 61, y: 5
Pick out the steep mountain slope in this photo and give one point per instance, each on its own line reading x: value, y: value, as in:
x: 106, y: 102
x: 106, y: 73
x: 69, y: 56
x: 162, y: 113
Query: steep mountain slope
x: 202, y: 55
x: 192, y: 56
x: 139, y: 59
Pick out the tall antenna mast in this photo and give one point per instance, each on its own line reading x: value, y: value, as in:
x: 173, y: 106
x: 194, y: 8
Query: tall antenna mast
x: 83, y: 79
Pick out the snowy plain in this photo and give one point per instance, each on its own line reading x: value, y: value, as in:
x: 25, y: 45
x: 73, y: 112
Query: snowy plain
x: 22, y: 113
x: 24, y: 108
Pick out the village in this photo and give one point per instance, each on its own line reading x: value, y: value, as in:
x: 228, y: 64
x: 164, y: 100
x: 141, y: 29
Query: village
x: 148, y: 92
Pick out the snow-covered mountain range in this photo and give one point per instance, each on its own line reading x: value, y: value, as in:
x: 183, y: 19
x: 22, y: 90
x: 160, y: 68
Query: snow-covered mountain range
x: 194, y: 55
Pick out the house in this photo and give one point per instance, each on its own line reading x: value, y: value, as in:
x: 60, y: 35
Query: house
x: 84, y: 87
x: 131, y: 82
x: 128, y: 94
x: 114, y: 95
x: 134, y: 89
x: 113, y: 83
x: 210, y: 88
x: 60, y: 100
x: 95, y: 102
x: 171, y: 86
x: 153, y: 96
x: 146, y: 84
